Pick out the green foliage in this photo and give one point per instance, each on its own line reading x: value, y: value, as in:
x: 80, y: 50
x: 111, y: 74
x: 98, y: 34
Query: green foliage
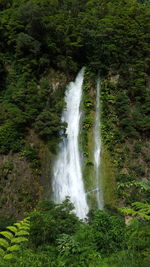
x: 73, y: 253
x: 87, y: 123
x: 27, y: 257
x: 67, y: 245
x: 104, y: 240
x: 111, y: 37
x: 10, y: 138
x: 24, y: 105
x: 139, y: 209
x: 87, y: 107
x: 108, y: 232
x: 105, y: 36
x: 142, y: 185
x: 12, y: 239
x: 138, y: 239
x: 31, y: 155
x: 5, y: 170
x: 12, y: 229
x: 50, y: 220
x: 8, y: 235
x: 25, y: 44
x: 48, y: 124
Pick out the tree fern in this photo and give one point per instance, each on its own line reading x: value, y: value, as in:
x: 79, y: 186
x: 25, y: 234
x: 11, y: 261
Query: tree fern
x: 13, y: 237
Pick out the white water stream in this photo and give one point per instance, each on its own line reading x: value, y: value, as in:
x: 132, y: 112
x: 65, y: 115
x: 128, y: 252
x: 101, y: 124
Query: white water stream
x: 97, y: 148
x: 67, y: 174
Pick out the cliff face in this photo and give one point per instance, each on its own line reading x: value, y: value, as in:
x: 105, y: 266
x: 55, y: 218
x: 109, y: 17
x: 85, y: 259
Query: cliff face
x: 125, y: 135
x: 107, y: 168
x: 124, y: 170
x: 107, y: 36
x: 25, y: 176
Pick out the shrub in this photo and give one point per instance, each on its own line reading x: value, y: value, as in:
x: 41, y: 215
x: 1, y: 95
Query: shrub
x: 108, y: 231
x: 51, y: 220
x: 31, y: 155
x: 10, y: 138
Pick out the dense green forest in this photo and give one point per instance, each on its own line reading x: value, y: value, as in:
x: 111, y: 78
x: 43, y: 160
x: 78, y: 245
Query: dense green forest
x: 53, y: 236
x: 43, y: 44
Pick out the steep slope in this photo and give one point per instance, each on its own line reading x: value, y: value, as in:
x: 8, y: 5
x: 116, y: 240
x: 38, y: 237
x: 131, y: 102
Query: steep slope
x: 36, y: 63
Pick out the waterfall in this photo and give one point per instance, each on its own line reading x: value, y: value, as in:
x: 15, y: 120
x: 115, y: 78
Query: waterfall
x: 97, y: 147
x: 67, y: 174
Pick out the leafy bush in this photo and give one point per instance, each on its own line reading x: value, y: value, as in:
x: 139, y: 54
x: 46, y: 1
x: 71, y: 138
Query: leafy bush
x: 48, y: 124
x: 31, y: 155
x: 122, y: 177
x: 87, y: 122
x: 51, y: 220
x: 25, y: 45
x: 109, y: 232
x: 10, y: 138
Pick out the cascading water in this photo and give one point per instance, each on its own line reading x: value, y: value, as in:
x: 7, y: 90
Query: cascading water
x: 67, y: 174
x: 97, y: 148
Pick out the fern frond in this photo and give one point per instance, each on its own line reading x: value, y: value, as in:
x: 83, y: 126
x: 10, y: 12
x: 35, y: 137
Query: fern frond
x: 18, y: 224
x: 144, y: 207
x: 4, y: 243
x: 12, y: 229
x: 139, y: 208
x: 7, y: 234
x: 145, y: 216
x: 15, y: 235
x: 2, y: 252
x: 26, y: 228
x: 18, y: 240
x: 13, y: 248
x: 27, y: 219
x: 26, y: 224
x: 9, y: 256
x: 22, y: 233
x: 127, y: 211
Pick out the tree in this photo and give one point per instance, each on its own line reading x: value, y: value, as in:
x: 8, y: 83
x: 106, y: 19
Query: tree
x: 50, y: 220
